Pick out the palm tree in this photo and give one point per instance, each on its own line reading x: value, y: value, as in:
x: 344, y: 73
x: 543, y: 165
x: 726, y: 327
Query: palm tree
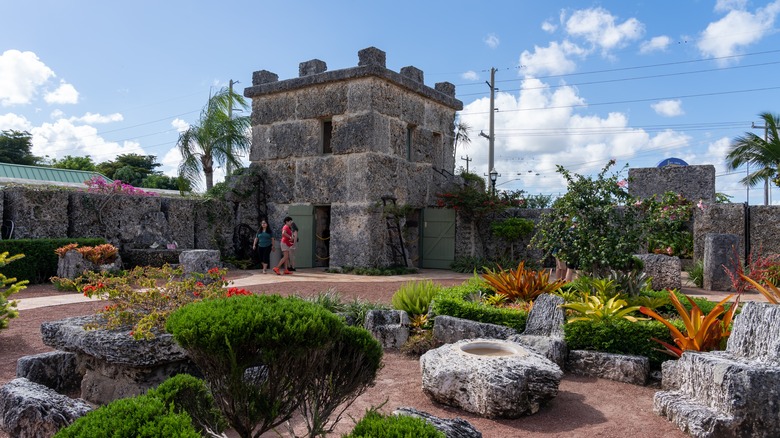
x: 763, y: 154
x: 218, y: 139
x: 462, y: 130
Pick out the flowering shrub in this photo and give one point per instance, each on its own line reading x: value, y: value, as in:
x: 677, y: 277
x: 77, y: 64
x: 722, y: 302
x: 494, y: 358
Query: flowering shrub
x: 99, y: 255
x: 143, y: 298
x: 474, y: 202
x: 97, y: 184
x: 595, y: 226
x: 666, y: 224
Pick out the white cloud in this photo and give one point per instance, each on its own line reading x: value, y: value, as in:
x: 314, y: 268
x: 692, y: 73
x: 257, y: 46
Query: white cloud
x: 738, y: 29
x: 549, y: 27
x: 668, y: 108
x: 170, y: 162
x: 492, y: 41
x: 599, y: 27
x: 64, y: 138
x: 553, y: 59
x: 97, y: 118
x: 470, y: 75
x: 64, y: 94
x: 180, y: 125
x: 23, y: 74
x: 728, y: 5
x: 655, y: 44
x: 15, y: 122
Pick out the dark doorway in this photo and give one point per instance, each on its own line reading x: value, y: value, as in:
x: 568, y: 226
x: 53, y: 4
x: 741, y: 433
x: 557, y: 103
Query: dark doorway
x: 322, y: 236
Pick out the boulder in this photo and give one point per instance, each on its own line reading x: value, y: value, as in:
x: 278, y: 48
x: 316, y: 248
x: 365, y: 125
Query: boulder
x: 31, y: 410
x: 544, y: 329
x: 57, y: 370
x: 618, y: 367
x: 73, y: 265
x: 199, y: 260
x: 488, y: 377
x: 389, y: 327
x: 449, y: 329
x: 452, y: 428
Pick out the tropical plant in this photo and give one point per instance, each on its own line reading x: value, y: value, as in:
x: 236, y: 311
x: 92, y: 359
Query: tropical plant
x: 761, y: 154
x: 595, y: 226
x: 702, y: 332
x: 521, y: 284
x: 415, y: 297
x: 696, y: 273
x: 631, y: 283
x: 770, y: 292
x: 219, y: 138
x: 595, y: 308
x: 585, y: 286
x: 8, y: 287
x: 462, y: 131
x: 761, y: 268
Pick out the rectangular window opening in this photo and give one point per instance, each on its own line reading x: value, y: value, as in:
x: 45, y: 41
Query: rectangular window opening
x: 327, y: 133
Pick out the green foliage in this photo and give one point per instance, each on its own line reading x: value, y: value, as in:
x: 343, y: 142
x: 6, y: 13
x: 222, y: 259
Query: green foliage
x: 594, y: 308
x: 40, y: 261
x: 513, y: 228
x: 666, y: 225
x: 631, y: 283
x: 696, y: 273
x: 74, y: 163
x: 473, y: 202
x: 594, y: 226
x: 137, y: 417
x: 618, y: 336
x: 458, y: 302
x: 8, y: 287
x: 354, y: 310
x: 286, y: 342
x: 419, y: 343
x: 165, y: 182
x: 415, y: 297
x: 537, y: 201
x: 521, y: 284
x: 15, y: 148
x: 376, y: 425
x: 722, y: 198
x: 129, y: 168
x: 480, y: 265
x: 191, y: 395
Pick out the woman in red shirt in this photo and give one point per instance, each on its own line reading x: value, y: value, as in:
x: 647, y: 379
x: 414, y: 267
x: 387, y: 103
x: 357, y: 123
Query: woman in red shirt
x: 286, y: 243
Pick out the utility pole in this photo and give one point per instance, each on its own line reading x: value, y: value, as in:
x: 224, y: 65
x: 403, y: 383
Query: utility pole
x: 766, y: 181
x: 492, y: 137
x: 467, y: 159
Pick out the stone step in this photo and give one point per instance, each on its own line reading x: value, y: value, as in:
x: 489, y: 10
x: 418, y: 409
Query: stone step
x: 693, y: 418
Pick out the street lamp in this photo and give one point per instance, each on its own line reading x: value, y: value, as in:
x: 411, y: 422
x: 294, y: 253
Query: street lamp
x: 493, y: 177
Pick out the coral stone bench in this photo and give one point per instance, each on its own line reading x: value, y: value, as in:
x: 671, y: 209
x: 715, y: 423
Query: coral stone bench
x: 732, y: 393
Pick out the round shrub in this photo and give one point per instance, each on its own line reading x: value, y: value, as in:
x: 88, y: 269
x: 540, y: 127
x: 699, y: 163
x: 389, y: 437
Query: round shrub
x: 137, y: 417
x: 191, y: 395
x: 376, y: 425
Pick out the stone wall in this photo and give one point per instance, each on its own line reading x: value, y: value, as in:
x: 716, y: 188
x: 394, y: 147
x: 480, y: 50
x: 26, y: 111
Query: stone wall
x: 693, y: 182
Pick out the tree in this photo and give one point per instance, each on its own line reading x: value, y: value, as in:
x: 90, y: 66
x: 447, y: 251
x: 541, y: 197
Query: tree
x: 217, y: 139
x: 74, y: 163
x: 160, y: 181
x: 130, y: 168
x: 462, y: 130
x: 15, y: 148
x: 761, y: 154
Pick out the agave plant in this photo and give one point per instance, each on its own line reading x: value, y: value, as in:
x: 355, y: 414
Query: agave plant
x: 521, y: 284
x: 594, y: 308
x: 702, y: 332
x: 770, y: 292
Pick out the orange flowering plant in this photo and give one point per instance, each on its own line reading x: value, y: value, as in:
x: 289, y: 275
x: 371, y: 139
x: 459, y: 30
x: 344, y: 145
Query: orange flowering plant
x: 143, y: 298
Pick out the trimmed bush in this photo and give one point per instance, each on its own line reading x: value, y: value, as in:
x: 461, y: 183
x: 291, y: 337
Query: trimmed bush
x: 455, y: 301
x: 40, y: 262
x: 191, y: 395
x: 137, y: 417
x: 376, y: 425
x: 263, y: 355
x: 619, y: 336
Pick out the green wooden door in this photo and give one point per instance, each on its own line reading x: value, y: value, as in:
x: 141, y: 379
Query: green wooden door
x: 303, y: 216
x: 438, y: 238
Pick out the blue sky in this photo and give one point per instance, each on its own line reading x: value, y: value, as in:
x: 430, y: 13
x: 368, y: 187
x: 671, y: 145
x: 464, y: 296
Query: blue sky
x: 579, y: 82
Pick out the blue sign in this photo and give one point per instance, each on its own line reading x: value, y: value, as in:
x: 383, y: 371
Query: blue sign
x: 672, y: 162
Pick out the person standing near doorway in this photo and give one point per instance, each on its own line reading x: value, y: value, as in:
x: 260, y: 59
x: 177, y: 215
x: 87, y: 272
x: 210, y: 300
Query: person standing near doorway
x: 286, y: 244
x: 294, y: 247
x: 264, y: 244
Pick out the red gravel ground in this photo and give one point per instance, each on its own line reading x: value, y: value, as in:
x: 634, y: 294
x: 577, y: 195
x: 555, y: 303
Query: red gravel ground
x: 584, y: 407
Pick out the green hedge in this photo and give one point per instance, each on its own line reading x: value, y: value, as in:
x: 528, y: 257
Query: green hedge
x: 621, y: 337
x: 376, y: 425
x: 138, y: 417
x: 40, y: 261
x: 454, y: 301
